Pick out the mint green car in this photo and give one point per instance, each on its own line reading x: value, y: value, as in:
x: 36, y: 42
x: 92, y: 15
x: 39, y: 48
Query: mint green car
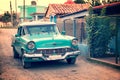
x: 41, y: 41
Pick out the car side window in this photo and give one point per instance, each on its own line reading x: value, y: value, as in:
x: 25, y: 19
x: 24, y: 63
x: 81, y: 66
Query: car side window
x: 19, y: 31
x: 22, y: 31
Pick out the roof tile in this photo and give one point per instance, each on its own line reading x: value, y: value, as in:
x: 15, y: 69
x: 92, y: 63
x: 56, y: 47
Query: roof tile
x: 67, y: 8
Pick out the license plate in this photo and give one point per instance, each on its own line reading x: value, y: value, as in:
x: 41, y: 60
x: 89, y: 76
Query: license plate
x: 55, y: 57
x: 35, y: 58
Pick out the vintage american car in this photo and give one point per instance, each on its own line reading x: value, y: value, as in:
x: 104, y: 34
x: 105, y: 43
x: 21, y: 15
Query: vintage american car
x: 42, y: 41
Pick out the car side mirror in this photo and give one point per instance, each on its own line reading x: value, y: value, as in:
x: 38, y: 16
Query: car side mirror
x: 63, y: 32
x: 17, y: 35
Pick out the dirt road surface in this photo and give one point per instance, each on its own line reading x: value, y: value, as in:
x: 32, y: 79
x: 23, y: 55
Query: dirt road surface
x: 11, y: 69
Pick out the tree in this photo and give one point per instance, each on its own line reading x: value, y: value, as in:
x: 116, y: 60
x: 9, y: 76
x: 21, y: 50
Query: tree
x: 111, y: 1
x: 97, y: 3
x: 0, y: 18
x: 94, y: 2
x: 14, y: 19
x: 6, y: 17
x: 103, y: 12
x: 79, y: 1
x: 100, y: 31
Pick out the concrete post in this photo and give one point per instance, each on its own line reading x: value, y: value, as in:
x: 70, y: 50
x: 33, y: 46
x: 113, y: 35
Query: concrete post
x: 74, y: 27
x: 53, y: 18
x: 24, y: 10
x: 36, y: 17
x: 63, y: 29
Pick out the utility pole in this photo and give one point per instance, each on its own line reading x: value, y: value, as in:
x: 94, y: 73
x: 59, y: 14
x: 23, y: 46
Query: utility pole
x: 16, y: 10
x: 11, y: 13
x: 23, y: 10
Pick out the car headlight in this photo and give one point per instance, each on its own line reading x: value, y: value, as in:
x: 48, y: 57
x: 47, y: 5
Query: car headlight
x: 31, y: 45
x: 74, y: 42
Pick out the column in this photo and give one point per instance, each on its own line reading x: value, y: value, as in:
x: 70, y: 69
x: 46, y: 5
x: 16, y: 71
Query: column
x: 63, y: 29
x: 36, y: 17
x: 74, y: 27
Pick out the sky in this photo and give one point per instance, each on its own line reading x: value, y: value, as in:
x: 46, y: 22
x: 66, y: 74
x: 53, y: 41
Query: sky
x: 5, y: 4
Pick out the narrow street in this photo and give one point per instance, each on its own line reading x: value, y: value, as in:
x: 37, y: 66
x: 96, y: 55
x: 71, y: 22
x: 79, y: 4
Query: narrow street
x: 11, y: 69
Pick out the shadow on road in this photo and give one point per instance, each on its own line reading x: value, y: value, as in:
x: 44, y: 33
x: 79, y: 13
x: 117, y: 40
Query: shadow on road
x: 51, y: 65
x: 46, y: 65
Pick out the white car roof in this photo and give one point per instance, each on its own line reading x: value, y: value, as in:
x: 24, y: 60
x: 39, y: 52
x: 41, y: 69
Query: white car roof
x: 36, y: 23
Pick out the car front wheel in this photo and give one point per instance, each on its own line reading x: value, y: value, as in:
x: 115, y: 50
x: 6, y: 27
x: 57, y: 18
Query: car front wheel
x: 15, y: 54
x: 24, y: 63
x: 71, y: 60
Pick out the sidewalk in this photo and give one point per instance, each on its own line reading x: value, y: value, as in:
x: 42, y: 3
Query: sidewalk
x: 108, y: 61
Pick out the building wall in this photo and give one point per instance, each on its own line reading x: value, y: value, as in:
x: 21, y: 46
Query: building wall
x: 29, y: 9
x: 69, y: 28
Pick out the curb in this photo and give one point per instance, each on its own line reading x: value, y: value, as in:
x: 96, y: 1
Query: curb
x: 103, y: 62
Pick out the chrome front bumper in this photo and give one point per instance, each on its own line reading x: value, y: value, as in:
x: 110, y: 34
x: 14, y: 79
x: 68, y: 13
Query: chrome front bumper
x: 52, y: 57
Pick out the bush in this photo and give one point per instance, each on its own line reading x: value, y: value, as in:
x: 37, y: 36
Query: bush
x: 100, y: 31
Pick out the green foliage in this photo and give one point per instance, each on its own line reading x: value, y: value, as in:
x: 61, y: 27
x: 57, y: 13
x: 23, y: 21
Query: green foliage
x: 95, y: 2
x: 100, y: 30
x: 111, y: 1
x: 79, y: 1
x: 103, y: 11
x: 90, y: 11
x: 6, y: 17
x: 99, y: 34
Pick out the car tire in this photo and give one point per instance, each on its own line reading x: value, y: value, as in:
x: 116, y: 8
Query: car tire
x: 15, y: 54
x: 71, y: 60
x: 24, y: 63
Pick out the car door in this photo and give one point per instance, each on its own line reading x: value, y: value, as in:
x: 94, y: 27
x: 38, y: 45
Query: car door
x: 18, y: 40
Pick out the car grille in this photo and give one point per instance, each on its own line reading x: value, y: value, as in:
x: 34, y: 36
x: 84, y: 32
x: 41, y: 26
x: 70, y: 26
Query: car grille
x: 59, y: 51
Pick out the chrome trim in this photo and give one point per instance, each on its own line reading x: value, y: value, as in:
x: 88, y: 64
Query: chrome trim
x: 47, y: 58
x: 54, y: 48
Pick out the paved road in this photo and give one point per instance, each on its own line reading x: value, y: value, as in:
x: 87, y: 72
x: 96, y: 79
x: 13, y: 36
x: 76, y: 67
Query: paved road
x: 82, y: 70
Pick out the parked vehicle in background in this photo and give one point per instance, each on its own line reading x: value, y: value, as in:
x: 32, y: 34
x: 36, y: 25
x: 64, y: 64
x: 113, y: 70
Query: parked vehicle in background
x: 41, y: 41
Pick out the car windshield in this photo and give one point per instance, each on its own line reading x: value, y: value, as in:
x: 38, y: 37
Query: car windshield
x: 42, y: 29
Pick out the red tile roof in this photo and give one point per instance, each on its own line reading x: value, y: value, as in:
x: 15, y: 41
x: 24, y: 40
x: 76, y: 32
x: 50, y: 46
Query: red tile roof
x: 61, y: 9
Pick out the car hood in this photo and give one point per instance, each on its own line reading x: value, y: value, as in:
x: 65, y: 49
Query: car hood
x: 50, y: 41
